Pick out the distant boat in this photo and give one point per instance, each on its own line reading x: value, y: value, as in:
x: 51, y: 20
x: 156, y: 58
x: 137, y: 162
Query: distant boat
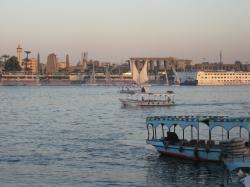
x: 149, y: 99
x: 189, y: 83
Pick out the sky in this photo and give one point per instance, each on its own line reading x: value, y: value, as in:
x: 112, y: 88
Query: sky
x: 115, y: 30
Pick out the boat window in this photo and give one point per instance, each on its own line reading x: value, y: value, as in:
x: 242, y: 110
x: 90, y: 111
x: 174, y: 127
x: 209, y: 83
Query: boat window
x: 150, y: 131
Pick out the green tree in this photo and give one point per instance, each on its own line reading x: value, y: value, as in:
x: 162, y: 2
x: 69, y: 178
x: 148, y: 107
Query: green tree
x: 12, y: 64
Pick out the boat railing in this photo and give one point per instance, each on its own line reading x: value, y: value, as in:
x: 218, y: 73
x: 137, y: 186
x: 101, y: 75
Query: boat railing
x: 189, y: 143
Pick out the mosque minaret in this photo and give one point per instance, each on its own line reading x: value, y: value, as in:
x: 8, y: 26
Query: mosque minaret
x: 19, y: 55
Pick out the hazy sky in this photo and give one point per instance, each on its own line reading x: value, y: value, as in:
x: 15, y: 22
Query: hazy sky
x: 114, y: 30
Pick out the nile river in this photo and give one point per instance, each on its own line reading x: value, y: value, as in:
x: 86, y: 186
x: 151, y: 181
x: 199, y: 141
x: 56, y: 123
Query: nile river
x: 81, y: 136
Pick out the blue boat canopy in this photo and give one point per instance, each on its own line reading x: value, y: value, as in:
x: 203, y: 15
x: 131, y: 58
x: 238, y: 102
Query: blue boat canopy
x: 225, y: 122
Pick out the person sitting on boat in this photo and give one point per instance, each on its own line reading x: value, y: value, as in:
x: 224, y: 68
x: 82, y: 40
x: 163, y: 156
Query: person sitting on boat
x: 171, y: 138
x: 143, y: 90
x: 169, y: 99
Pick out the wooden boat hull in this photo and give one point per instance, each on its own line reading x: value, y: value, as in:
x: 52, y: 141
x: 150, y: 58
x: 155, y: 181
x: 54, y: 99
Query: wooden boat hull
x: 130, y: 102
x: 190, y: 153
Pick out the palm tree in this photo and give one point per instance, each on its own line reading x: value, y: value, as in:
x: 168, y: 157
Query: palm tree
x: 3, y: 60
x: 5, y: 57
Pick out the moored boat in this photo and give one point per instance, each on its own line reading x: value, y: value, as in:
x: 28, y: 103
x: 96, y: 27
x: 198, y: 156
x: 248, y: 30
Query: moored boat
x: 200, y: 149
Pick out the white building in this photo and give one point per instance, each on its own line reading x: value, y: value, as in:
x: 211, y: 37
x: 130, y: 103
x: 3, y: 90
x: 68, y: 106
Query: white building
x: 223, y: 78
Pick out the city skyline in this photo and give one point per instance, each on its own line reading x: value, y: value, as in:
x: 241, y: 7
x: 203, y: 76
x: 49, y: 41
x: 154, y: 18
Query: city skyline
x: 115, y: 30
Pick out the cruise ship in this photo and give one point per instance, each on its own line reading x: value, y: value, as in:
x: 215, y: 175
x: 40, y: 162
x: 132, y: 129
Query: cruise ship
x: 223, y: 78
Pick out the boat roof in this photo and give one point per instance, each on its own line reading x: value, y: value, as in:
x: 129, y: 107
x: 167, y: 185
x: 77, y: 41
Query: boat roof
x: 225, y: 122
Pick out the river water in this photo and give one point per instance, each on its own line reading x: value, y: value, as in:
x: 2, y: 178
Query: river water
x: 82, y: 136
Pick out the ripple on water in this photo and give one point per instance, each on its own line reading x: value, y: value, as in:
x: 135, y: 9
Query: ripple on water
x: 81, y: 136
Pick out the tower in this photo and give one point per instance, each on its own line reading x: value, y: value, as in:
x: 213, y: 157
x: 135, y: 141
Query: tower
x: 67, y: 63
x: 38, y: 63
x: 220, y: 56
x: 85, y: 56
x: 19, y: 54
x: 51, y: 64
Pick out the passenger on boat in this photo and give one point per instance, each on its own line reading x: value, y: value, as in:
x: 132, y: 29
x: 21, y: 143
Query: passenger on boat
x: 169, y: 100
x: 143, y: 90
x: 171, y: 138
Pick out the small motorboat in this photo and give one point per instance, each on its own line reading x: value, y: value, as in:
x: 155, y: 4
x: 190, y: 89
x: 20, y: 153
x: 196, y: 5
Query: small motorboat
x: 149, y: 99
x: 233, y: 152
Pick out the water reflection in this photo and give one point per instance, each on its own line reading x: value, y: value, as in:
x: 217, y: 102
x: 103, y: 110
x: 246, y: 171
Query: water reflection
x: 165, y: 171
x: 80, y: 136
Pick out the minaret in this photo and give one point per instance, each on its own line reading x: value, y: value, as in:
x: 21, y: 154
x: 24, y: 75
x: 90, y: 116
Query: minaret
x: 220, y: 56
x: 67, y: 63
x: 38, y: 63
x: 19, y: 55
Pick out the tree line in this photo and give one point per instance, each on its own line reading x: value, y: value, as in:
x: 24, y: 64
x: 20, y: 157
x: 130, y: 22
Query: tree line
x: 9, y: 63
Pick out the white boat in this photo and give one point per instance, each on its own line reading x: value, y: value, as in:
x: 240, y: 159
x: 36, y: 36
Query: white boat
x: 232, y: 152
x: 149, y: 99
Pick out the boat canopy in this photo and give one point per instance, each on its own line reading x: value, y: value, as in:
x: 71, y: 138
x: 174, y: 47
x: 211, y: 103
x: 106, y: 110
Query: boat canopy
x: 225, y: 122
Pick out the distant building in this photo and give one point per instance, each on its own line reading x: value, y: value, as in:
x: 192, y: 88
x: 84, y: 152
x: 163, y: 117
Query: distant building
x: 161, y: 64
x: 51, y: 67
x: 32, y: 66
x: 183, y: 65
x: 61, y: 65
x: 19, y: 55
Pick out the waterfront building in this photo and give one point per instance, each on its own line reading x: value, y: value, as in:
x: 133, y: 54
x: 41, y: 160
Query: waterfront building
x: 161, y: 63
x: 215, y: 66
x: 51, y: 64
x: 158, y: 67
x: 32, y: 66
x: 19, y: 55
x: 223, y: 78
x: 61, y: 65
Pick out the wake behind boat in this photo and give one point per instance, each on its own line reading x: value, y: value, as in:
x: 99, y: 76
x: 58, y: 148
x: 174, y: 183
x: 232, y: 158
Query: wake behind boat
x: 149, y: 99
